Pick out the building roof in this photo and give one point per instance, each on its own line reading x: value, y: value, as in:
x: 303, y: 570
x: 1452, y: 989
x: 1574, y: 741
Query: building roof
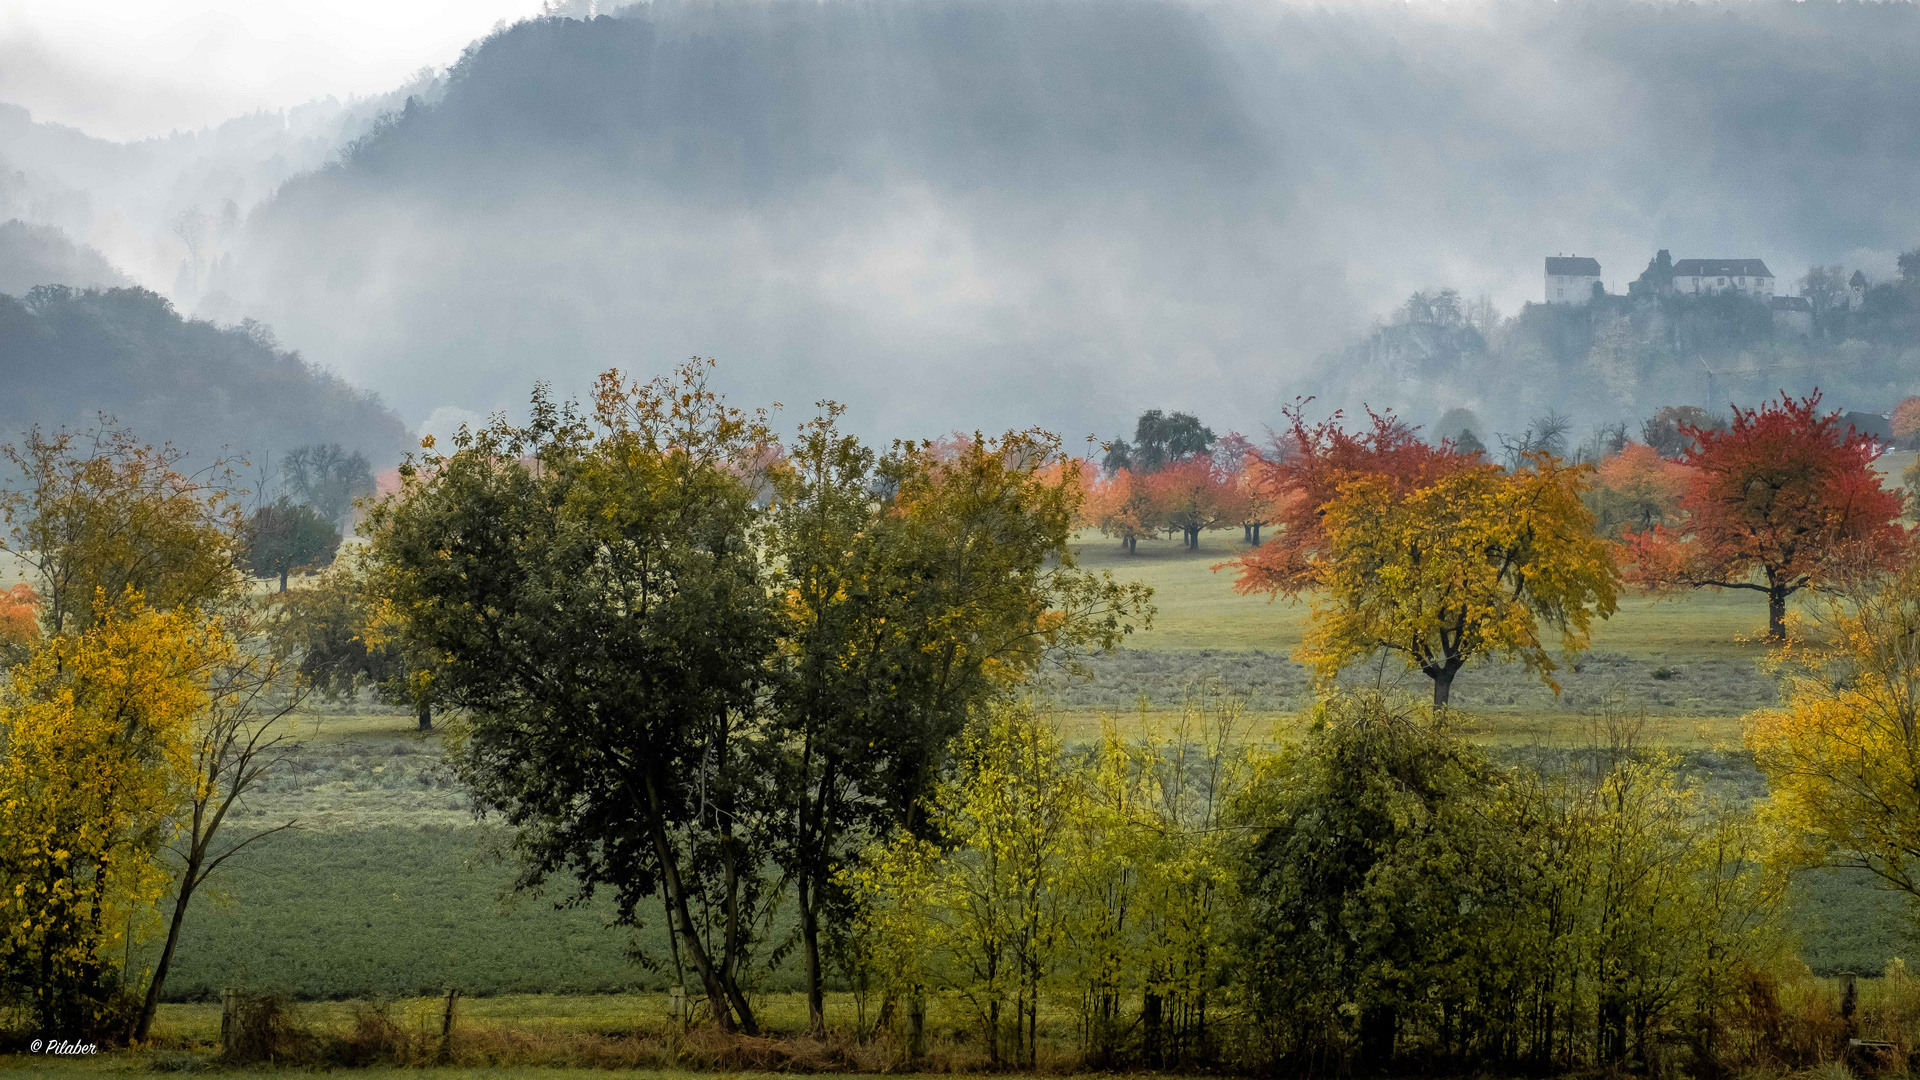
x: 1721, y: 268
x: 1792, y: 303
x: 1572, y: 266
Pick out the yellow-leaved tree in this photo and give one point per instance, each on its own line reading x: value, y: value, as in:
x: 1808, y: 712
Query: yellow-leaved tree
x: 96, y: 755
x: 1478, y: 561
x: 1842, y: 754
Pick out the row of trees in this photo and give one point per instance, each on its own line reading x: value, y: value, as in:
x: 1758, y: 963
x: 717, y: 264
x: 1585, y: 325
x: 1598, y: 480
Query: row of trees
x: 138, y: 708
x: 1379, y: 892
x: 697, y: 668
x: 1441, y: 556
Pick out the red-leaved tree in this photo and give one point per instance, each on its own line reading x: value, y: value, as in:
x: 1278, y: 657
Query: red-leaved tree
x: 1304, y: 473
x: 1783, y: 500
x: 1190, y: 496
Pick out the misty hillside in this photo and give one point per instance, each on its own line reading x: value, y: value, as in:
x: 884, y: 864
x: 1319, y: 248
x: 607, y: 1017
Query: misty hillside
x: 164, y: 209
x: 959, y: 212
x: 67, y: 355
x: 43, y: 255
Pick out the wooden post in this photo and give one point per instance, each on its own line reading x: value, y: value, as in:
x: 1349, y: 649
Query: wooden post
x: 446, y: 1025
x: 228, y: 996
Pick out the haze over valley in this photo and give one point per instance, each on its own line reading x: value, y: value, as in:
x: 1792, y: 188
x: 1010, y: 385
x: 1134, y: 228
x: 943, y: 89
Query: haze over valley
x: 991, y: 214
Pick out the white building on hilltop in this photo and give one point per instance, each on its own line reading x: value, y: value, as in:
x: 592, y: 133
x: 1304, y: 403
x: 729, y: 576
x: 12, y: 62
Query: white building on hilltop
x: 1701, y: 277
x: 1571, y: 278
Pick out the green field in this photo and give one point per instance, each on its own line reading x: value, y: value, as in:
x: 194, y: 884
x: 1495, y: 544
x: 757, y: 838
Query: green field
x: 391, y: 890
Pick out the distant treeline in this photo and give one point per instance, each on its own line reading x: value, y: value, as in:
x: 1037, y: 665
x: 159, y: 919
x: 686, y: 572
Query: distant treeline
x: 69, y: 355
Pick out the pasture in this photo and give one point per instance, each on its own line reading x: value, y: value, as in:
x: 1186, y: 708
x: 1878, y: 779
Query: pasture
x: 390, y: 891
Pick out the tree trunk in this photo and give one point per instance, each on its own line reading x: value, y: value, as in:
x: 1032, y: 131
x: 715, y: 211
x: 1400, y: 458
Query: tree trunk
x: 424, y: 714
x: 283, y: 580
x: 1776, y: 613
x: 165, y: 964
x: 717, y: 998
x: 1256, y: 534
x: 810, y: 945
x: 1442, y: 676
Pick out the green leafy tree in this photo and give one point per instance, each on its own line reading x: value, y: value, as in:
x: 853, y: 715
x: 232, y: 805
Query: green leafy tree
x: 592, y: 591
x: 918, y: 587
x: 284, y: 536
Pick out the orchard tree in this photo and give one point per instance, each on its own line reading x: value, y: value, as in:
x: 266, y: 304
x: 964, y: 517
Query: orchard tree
x: 1304, y: 474
x: 284, y: 536
x: 98, y: 513
x: 328, y: 478
x: 905, y: 614
x: 1842, y: 753
x: 1784, y: 499
x: 592, y: 590
x: 1122, y: 507
x: 341, y: 637
x: 1635, y: 489
x: 1478, y: 562
x: 1191, y: 496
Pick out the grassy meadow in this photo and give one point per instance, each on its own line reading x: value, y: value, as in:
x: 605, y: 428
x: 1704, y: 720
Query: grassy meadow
x: 391, y: 892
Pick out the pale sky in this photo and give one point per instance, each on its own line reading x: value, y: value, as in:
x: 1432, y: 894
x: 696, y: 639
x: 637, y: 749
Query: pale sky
x: 130, y: 68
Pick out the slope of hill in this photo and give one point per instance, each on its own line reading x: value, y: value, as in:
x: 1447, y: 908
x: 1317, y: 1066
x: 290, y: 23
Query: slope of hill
x: 67, y: 355
x: 43, y: 255
x: 1008, y: 211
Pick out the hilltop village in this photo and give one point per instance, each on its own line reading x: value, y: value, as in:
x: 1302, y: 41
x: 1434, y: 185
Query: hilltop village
x: 1700, y: 331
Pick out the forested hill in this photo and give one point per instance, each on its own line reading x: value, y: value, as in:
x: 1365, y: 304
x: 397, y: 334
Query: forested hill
x: 1007, y: 211
x: 67, y: 355
x: 44, y: 255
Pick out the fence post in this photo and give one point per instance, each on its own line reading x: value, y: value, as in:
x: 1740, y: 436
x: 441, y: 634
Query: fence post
x: 228, y: 997
x: 446, y: 1025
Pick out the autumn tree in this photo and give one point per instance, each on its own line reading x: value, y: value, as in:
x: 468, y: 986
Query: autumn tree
x: 1306, y: 471
x: 1906, y: 420
x: 1842, y: 752
x: 1635, y: 489
x: 284, y: 536
x: 99, y: 731
x: 1780, y: 501
x: 918, y: 589
x: 1478, y: 562
x: 1121, y: 506
x: 1190, y: 496
x: 97, y: 512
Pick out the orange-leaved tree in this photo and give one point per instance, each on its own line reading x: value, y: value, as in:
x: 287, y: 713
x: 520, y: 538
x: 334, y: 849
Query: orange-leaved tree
x: 1190, y: 496
x: 1121, y: 507
x: 1248, y: 503
x: 1782, y: 500
x: 1476, y: 562
x: 1636, y: 489
x: 1906, y: 419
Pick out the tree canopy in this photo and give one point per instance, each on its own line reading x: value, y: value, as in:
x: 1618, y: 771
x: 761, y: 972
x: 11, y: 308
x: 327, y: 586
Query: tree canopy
x: 1783, y: 499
